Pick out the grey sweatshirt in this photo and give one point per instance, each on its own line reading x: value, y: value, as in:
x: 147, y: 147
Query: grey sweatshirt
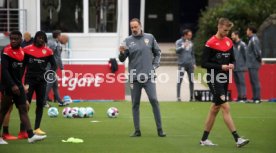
x: 186, y: 56
x: 253, y: 54
x: 57, y: 49
x: 240, y: 57
x: 144, y: 56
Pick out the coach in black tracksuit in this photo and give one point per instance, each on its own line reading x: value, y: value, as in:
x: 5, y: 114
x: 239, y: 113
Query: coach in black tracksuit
x: 38, y: 56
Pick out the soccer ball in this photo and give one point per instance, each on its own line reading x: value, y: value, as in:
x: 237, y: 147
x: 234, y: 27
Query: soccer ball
x: 82, y: 112
x: 75, y: 109
x: 67, y: 99
x: 89, y: 111
x: 66, y: 111
x: 52, y: 112
x: 112, y: 112
x: 73, y: 113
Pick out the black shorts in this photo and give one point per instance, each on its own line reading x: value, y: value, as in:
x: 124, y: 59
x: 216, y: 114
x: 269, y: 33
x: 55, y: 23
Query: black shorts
x: 218, y: 89
x: 17, y: 99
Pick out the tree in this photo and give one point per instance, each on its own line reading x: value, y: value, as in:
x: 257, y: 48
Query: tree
x: 240, y: 12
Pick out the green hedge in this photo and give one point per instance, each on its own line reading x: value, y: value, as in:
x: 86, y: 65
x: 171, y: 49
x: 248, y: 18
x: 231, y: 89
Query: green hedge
x: 240, y: 12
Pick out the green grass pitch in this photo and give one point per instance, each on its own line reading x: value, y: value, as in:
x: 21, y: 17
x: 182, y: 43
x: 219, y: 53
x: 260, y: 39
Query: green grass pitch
x: 183, y: 123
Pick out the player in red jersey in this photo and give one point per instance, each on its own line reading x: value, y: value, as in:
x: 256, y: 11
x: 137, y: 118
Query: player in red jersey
x: 13, y: 66
x: 5, y: 133
x: 218, y: 59
x: 38, y: 55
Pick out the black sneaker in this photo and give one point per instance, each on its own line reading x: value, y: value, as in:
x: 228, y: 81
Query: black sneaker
x: 161, y: 133
x: 61, y: 104
x: 49, y: 99
x: 136, y: 134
